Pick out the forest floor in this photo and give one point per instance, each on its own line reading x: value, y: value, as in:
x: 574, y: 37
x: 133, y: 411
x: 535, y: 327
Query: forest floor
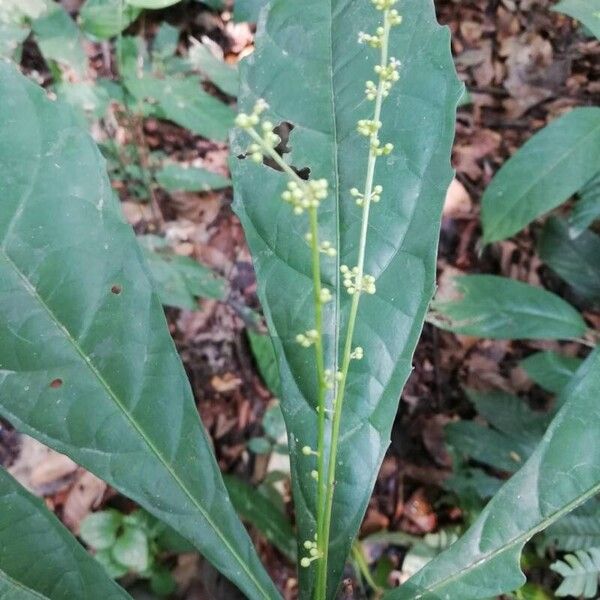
x: 523, y: 66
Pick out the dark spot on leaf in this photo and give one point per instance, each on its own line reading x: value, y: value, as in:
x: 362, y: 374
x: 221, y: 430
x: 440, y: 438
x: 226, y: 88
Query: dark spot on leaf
x: 116, y: 289
x: 56, y: 383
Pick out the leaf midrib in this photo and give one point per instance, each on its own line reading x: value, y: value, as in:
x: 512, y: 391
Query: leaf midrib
x: 67, y: 335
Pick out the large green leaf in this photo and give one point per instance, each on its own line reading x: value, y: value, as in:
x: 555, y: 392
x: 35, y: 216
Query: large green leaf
x: 87, y: 365
x: 106, y: 18
x: 554, y: 164
x: 551, y: 370
x: 190, y: 179
x: 39, y: 558
x: 248, y: 10
x: 587, y: 207
x: 575, y: 259
x: 319, y: 89
x: 152, y: 4
x: 263, y: 514
x: 586, y: 11
x: 59, y: 39
x: 562, y: 473
x: 184, y: 102
x: 505, y: 309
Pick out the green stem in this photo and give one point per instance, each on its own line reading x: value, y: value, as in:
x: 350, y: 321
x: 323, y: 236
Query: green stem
x: 363, y: 567
x: 321, y: 585
x: 319, y: 352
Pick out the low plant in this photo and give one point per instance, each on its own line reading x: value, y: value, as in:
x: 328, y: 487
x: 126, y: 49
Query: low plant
x: 342, y: 220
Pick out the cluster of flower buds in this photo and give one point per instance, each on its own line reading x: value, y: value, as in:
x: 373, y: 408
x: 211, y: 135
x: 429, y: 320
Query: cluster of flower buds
x: 388, y: 73
x: 327, y: 249
x: 313, y: 551
x: 268, y: 139
x: 360, y: 198
x: 383, y: 4
x: 353, y: 282
x: 306, y: 195
x: 375, y: 41
x: 368, y: 127
x: 325, y: 296
x: 330, y: 378
x: 378, y: 150
x: 246, y: 121
x: 306, y: 340
x: 357, y: 354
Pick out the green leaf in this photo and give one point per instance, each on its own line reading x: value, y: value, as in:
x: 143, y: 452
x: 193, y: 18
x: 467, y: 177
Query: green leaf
x: 39, y: 558
x: 131, y: 550
x: 106, y: 18
x: 260, y: 445
x: 87, y: 365
x: 90, y: 99
x: 59, y: 39
x: 320, y: 91
x: 554, y: 164
x: 562, y: 473
x: 505, y: 309
x: 162, y: 582
x: 99, y: 530
x: 12, y: 35
x: 586, y: 11
x: 587, y: 207
x: 152, y: 4
x: 224, y: 76
x: 190, y: 179
x: 248, y: 10
x: 184, y: 102
x: 579, y: 530
x: 550, y: 370
x: 180, y: 280
x: 517, y: 431
x: 580, y: 571
x: 164, y: 44
x: 260, y: 512
x: 575, y: 259
x: 266, y: 359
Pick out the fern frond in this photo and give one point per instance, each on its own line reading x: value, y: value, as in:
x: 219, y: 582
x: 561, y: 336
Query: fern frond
x: 579, y: 530
x: 580, y: 572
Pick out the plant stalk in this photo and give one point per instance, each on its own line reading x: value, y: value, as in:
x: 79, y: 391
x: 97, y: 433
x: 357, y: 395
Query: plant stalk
x: 321, y: 584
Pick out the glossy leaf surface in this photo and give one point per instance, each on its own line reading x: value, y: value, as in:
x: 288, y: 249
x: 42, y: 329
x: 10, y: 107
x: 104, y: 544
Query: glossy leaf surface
x: 87, y: 365
x: 39, y: 558
x: 505, y: 309
x: 320, y: 91
x: 485, y: 561
x: 575, y: 259
x: 554, y: 164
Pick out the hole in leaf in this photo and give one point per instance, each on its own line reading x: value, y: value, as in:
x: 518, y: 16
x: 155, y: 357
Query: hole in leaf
x: 56, y: 383
x: 283, y: 130
x: 116, y: 289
